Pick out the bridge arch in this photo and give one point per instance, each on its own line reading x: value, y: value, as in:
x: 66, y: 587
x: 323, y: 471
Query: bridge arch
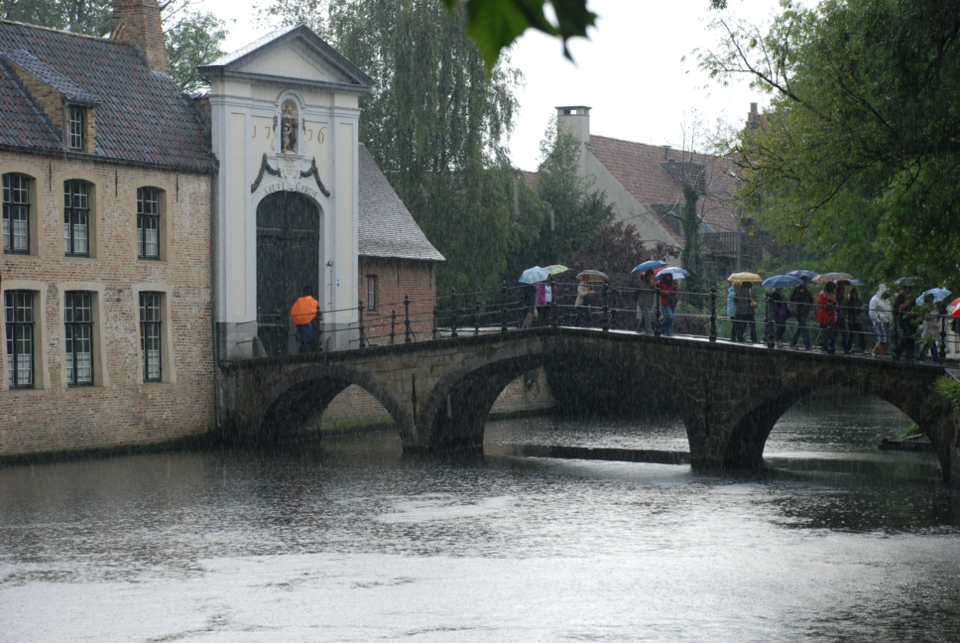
x: 751, y: 423
x: 455, y: 411
x: 303, y: 394
x: 454, y: 414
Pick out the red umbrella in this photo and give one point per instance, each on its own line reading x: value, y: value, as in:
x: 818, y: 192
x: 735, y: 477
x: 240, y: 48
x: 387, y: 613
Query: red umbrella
x: 303, y: 310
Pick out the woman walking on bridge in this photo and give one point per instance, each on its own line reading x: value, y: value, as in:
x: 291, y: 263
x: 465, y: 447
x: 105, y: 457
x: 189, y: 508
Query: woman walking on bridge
x: 801, y: 301
x: 881, y: 314
x: 827, y: 316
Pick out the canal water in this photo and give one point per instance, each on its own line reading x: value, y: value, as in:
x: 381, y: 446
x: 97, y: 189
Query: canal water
x: 347, y: 540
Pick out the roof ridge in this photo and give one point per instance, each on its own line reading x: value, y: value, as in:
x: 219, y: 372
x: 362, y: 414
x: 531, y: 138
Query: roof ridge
x: 62, y: 31
x: 679, y: 150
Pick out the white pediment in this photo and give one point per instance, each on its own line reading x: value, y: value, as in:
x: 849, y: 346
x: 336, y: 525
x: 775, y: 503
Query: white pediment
x: 291, y: 54
x: 287, y: 62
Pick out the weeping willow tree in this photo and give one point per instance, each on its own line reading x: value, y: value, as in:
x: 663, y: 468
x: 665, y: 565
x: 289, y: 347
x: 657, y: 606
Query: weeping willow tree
x: 437, y: 125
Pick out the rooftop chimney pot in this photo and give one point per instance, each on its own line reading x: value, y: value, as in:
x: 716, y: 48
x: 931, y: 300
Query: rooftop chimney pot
x: 138, y: 22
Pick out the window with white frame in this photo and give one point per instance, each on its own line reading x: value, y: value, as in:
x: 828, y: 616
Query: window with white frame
x: 16, y: 213
x: 75, y: 118
x: 78, y: 337
x: 148, y: 223
x: 150, y: 321
x: 76, y: 218
x: 371, y: 292
x: 18, y: 306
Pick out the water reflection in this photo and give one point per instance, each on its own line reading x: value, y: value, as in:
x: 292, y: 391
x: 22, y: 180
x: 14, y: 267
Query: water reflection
x: 348, y: 539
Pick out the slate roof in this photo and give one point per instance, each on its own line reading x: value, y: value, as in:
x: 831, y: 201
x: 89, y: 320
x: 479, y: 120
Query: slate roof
x: 387, y: 228
x: 647, y: 173
x: 21, y: 121
x: 141, y: 116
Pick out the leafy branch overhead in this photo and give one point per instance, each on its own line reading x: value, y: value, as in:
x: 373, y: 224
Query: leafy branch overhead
x: 496, y: 24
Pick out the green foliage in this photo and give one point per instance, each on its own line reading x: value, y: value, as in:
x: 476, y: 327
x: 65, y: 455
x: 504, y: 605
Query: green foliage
x: 575, y: 213
x: 692, y: 256
x: 494, y: 25
x: 290, y: 13
x: 90, y: 17
x: 950, y: 389
x: 193, y: 41
x: 437, y: 123
x: 858, y: 158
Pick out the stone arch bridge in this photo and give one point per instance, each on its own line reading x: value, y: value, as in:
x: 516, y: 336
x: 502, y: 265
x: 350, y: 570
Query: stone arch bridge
x: 439, y: 392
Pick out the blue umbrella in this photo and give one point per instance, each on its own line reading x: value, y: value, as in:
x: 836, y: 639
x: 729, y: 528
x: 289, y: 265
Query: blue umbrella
x: 653, y: 264
x: 534, y: 275
x: 906, y: 281
x: 781, y: 281
x: 803, y: 273
x: 939, y: 294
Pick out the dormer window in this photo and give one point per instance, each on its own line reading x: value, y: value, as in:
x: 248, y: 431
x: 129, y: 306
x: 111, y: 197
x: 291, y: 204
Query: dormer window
x: 75, y: 122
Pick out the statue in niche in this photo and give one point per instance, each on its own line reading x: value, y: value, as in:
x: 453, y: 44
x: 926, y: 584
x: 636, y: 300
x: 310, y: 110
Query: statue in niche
x: 289, y: 125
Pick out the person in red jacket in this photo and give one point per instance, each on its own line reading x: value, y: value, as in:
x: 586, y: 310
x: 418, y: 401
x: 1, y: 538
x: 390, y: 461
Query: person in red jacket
x: 827, y: 316
x: 669, y: 296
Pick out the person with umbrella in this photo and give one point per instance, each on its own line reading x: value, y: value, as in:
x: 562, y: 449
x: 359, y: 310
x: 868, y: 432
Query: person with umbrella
x: 302, y: 314
x: 881, y: 314
x: 582, y: 304
x: 854, y: 319
x: 669, y: 298
x: 646, y: 302
x: 801, y: 301
x: 840, y: 309
x: 827, y: 316
x: 544, y: 299
x: 735, y: 324
x: 931, y: 331
x: 902, y: 307
x: 746, y: 304
x: 778, y: 310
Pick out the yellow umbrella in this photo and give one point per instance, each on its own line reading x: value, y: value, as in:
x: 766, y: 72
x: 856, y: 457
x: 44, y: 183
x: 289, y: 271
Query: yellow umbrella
x: 744, y: 276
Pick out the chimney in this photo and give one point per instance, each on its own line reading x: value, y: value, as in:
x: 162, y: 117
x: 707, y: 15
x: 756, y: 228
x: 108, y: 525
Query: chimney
x: 753, y: 118
x: 138, y: 22
x: 576, y: 119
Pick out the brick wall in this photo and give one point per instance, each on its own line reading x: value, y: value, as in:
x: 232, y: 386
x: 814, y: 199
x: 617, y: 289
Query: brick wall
x: 120, y: 409
x: 396, y: 278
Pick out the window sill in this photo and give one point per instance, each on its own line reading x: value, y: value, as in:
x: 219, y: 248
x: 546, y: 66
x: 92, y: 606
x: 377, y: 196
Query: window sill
x: 26, y: 391
x: 83, y: 388
x: 157, y: 384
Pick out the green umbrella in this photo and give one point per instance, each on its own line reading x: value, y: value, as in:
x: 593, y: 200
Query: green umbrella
x: 556, y: 269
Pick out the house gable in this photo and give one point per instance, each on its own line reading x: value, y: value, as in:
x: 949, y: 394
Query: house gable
x: 290, y: 56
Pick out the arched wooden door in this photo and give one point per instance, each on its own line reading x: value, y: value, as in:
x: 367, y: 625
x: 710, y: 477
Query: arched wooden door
x: 288, y: 260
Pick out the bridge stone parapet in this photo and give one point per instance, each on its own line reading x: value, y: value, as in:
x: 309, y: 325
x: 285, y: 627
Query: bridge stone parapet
x: 439, y: 392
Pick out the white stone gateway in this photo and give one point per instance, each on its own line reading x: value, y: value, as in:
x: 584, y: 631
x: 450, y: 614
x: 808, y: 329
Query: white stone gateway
x: 284, y: 120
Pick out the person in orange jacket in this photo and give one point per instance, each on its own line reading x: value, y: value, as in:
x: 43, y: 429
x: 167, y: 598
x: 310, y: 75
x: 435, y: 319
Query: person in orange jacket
x: 302, y: 314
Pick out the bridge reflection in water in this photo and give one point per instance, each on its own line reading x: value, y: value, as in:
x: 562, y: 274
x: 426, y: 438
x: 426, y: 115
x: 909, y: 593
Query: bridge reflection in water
x: 439, y: 392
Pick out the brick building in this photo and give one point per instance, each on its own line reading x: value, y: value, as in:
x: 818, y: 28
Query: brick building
x: 106, y: 173
x: 138, y: 225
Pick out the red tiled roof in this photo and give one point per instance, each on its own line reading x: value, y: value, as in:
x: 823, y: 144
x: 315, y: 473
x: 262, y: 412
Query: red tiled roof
x: 644, y: 171
x: 530, y: 178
